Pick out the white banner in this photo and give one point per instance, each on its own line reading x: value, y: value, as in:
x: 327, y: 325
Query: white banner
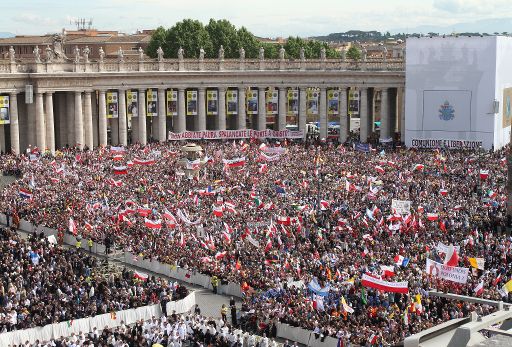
x: 442, y: 248
x: 235, y: 134
x: 441, y: 143
x: 449, y: 273
x: 401, y: 206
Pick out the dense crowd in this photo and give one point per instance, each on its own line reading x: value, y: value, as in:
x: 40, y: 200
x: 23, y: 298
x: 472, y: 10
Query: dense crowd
x: 290, y: 212
x: 41, y: 283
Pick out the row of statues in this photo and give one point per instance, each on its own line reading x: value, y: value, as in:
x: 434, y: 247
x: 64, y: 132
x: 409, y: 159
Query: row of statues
x: 57, y: 55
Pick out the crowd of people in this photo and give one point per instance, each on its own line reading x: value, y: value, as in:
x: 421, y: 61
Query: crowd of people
x: 42, y: 283
x: 265, y: 215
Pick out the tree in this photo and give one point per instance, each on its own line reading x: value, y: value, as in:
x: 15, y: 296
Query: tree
x: 248, y: 42
x: 311, y: 48
x: 353, y: 53
x: 223, y: 33
x: 158, y: 39
x: 189, y: 35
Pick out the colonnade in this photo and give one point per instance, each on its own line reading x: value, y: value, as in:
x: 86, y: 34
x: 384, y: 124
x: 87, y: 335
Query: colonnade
x: 86, y: 117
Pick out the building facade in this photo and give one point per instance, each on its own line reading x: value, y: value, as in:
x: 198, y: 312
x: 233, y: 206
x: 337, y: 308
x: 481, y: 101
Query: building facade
x: 51, y: 102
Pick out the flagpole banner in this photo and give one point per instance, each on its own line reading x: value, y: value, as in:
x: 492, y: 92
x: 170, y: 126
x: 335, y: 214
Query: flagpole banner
x: 172, y: 102
x: 152, y: 103
x: 212, y: 102
x: 394, y: 287
x: 236, y: 134
x: 312, y: 99
x: 353, y: 102
x: 333, y: 102
x: 271, y: 99
x: 232, y: 102
x: 191, y: 102
x: 5, y: 114
x: 293, y: 102
x: 252, y: 101
x: 132, y: 104
x: 112, y: 105
x: 445, y: 272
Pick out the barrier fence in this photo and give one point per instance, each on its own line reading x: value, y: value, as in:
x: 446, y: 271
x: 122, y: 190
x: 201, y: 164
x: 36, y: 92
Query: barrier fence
x: 85, y: 325
x: 284, y: 331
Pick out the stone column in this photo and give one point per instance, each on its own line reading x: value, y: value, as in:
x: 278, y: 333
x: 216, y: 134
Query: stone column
x: 221, y: 125
x: 181, y: 123
x: 142, y: 117
x: 323, y: 113
x: 40, y: 127
x: 281, y: 117
x: 262, y: 112
x: 15, y: 130
x: 344, y: 119
x: 95, y: 120
x: 79, y: 121
x: 363, y: 132
x: 385, y: 121
x: 89, y: 139
x: 50, y: 128
x: 123, y: 126
x: 162, y: 130
x: 201, y: 110
x: 70, y: 115
x: 302, y: 108
x: 401, y: 92
x: 102, y: 119
x: 242, y: 115
x: 63, y: 119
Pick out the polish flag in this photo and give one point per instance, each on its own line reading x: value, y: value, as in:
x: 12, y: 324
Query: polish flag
x: 115, y: 183
x: 153, y: 224
x: 263, y: 147
x: 451, y: 258
x: 263, y: 168
x: 138, y: 161
x: 479, y: 289
x: 218, y: 210
x: 60, y: 171
x: 117, y: 150
x: 228, y: 228
x: 129, y: 163
x: 443, y: 192
x: 283, y: 220
x: 236, y: 162
x: 387, y: 271
x: 305, y: 184
x: 230, y: 207
x: 393, y: 287
x: 268, y: 245
x: 54, y: 180
x: 141, y: 276
x: 206, y: 260
x: 496, y: 280
x: 379, y: 169
x: 117, y: 157
x: 72, y: 226
x: 88, y: 226
x: 484, y: 174
x: 144, y: 211
x: 373, y: 339
x: 226, y: 237
x: 418, y: 167
x: 349, y: 187
x: 220, y: 255
x: 324, y: 205
x: 170, y: 219
x: 432, y: 216
x: 120, y: 170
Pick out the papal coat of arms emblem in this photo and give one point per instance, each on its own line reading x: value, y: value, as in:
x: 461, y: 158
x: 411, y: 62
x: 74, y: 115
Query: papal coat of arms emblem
x: 446, y: 111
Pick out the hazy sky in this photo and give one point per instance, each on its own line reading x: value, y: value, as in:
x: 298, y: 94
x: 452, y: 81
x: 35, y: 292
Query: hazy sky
x: 263, y: 17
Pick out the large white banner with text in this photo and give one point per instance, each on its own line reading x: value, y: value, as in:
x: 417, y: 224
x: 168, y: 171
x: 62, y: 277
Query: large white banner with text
x: 235, y: 134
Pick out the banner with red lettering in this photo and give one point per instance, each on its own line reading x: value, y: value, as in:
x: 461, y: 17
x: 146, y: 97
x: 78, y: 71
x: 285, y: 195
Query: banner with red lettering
x: 236, y: 134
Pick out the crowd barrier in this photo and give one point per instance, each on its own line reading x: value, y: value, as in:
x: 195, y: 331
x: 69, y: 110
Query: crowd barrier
x: 85, y: 325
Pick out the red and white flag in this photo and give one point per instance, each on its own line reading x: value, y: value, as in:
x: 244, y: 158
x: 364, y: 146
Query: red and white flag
x: 227, y: 237
x: 375, y: 283
x: 418, y: 167
x: 484, y: 174
x: 117, y: 157
x: 228, y: 228
x: 182, y: 241
x: 153, y: 224
x: 451, y: 258
x: 443, y: 192
x: 379, y: 169
x: 263, y: 168
x: 218, y: 210
x: 115, y: 183
x: 432, y: 216
x: 387, y: 271
x: 230, y: 207
x: 324, y: 205
x: 283, y: 220
x: 140, y: 276
x: 236, y: 162
x: 120, y: 170
x: 220, y: 255
x: 479, y: 289
x: 138, y: 161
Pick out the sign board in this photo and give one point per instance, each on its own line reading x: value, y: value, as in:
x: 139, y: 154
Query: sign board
x: 401, y: 206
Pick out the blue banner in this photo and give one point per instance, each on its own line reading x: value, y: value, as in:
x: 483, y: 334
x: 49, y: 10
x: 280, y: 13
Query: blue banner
x: 362, y: 147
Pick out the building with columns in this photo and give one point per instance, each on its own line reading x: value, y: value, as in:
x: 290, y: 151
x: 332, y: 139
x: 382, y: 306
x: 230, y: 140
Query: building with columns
x: 52, y: 101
